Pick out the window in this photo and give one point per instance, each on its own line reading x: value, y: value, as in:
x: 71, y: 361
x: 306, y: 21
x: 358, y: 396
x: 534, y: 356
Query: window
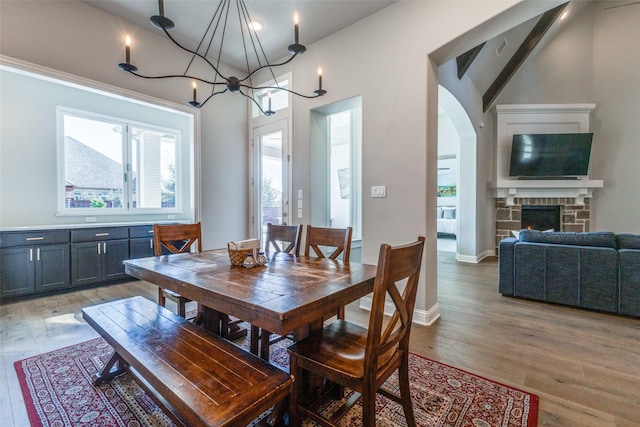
x: 272, y: 99
x: 109, y: 164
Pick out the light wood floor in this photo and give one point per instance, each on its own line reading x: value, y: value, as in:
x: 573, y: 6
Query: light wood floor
x: 584, y: 366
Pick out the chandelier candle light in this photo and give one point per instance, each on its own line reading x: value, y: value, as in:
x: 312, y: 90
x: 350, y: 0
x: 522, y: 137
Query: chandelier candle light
x: 232, y: 84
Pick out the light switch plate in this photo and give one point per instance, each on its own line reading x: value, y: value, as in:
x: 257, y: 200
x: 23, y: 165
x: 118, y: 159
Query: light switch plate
x: 300, y: 193
x: 299, y: 213
x: 378, y: 191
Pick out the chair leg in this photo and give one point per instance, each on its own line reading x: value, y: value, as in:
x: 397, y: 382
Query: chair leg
x: 264, y: 344
x: 182, y: 307
x: 255, y: 337
x: 405, y: 392
x: 294, y: 415
x: 161, y: 299
x: 368, y: 406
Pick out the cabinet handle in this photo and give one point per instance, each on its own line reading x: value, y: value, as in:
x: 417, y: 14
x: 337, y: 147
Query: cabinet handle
x: 150, y: 231
x: 31, y: 255
x: 38, y: 254
x: 151, y: 243
x: 101, y: 234
x: 98, y: 248
x: 104, y: 246
x: 31, y: 239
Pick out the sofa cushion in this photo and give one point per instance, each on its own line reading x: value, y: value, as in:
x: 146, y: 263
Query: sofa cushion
x: 628, y: 241
x: 605, y: 239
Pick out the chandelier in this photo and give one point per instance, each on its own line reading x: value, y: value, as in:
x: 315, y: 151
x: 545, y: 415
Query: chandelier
x: 219, y: 83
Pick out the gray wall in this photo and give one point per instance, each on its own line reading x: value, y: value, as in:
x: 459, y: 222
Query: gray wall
x: 596, y: 60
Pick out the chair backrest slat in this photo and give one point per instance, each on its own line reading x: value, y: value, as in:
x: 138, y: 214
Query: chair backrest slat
x: 177, y: 238
x: 394, y: 265
x: 338, y: 238
x: 290, y: 234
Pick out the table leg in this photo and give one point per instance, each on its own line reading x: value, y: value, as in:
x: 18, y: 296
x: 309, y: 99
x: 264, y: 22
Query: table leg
x: 106, y: 374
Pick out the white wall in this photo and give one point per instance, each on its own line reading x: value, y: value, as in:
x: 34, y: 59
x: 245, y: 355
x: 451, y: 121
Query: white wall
x: 595, y: 60
x: 78, y: 39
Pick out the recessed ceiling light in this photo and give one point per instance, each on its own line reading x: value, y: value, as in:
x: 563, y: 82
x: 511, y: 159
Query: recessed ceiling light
x: 255, y: 25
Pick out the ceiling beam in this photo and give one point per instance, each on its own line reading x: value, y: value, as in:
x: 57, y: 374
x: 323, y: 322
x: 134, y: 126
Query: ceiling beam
x: 465, y: 60
x: 527, y: 46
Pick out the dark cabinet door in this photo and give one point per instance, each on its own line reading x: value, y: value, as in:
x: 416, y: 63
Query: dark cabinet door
x: 114, y: 253
x: 141, y: 248
x: 52, y: 267
x: 18, y: 271
x: 86, y: 264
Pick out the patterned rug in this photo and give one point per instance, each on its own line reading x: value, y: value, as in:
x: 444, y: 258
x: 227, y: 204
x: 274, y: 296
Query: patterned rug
x: 57, y: 391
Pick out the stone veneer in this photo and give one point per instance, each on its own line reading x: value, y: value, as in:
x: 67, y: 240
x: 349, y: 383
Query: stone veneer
x: 573, y: 217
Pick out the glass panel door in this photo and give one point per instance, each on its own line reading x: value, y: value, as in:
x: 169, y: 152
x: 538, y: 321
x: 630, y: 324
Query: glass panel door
x: 271, y: 176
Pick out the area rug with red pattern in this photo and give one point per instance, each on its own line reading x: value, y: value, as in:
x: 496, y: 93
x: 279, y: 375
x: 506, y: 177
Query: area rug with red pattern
x: 57, y: 391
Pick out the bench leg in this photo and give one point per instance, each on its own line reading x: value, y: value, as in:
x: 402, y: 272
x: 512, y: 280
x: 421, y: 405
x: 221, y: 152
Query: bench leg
x: 106, y: 374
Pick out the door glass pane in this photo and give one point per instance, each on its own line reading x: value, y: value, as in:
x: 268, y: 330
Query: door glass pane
x: 93, y: 163
x: 153, y: 165
x: 271, y: 179
x: 340, y: 169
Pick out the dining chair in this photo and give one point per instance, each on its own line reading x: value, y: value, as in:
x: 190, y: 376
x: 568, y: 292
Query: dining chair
x: 337, y: 238
x: 277, y: 235
x: 177, y: 239
x: 363, y: 358
x: 280, y: 234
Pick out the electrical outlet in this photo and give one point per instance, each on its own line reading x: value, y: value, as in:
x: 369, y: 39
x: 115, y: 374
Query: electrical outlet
x: 171, y: 217
x: 89, y: 219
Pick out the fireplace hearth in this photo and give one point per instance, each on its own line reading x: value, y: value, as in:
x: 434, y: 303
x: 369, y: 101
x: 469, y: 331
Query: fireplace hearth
x: 540, y: 217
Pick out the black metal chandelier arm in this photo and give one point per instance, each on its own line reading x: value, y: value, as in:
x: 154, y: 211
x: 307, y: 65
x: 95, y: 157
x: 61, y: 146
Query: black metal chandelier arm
x: 269, y: 66
x: 315, y: 95
x: 178, y: 76
x: 211, y: 96
x: 194, y: 53
x: 255, y: 102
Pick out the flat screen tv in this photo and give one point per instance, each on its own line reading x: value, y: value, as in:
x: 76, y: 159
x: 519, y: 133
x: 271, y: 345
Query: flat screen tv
x: 554, y: 155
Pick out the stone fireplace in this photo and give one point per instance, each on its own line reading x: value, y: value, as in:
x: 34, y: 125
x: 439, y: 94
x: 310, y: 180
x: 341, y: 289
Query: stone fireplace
x: 573, y: 216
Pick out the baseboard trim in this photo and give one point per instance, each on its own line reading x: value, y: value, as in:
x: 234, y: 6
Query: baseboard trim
x: 420, y: 317
x: 475, y: 258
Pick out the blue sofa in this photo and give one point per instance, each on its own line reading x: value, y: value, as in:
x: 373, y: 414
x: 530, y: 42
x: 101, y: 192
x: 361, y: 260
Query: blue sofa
x: 594, y: 270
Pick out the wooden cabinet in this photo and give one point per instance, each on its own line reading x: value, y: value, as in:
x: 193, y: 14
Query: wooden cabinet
x: 34, y: 262
x: 97, y: 254
x: 141, y: 241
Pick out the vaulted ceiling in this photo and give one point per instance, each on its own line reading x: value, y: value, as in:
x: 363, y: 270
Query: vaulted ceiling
x: 318, y: 19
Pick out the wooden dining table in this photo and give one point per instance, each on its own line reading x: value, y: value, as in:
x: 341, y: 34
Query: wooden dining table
x: 288, y: 294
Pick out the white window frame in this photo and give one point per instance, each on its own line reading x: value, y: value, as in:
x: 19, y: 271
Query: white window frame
x: 127, y: 208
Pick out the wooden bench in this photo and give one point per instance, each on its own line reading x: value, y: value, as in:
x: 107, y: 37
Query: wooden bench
x: 198, y: 378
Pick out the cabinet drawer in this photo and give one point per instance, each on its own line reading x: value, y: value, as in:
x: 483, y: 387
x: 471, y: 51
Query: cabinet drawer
x: 24, y: 238
x: 99, y: 234
x: 141, y: 231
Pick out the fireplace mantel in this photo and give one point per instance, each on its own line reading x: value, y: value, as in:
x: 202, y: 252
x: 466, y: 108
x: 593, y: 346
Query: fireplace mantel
x: 578, y: 189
